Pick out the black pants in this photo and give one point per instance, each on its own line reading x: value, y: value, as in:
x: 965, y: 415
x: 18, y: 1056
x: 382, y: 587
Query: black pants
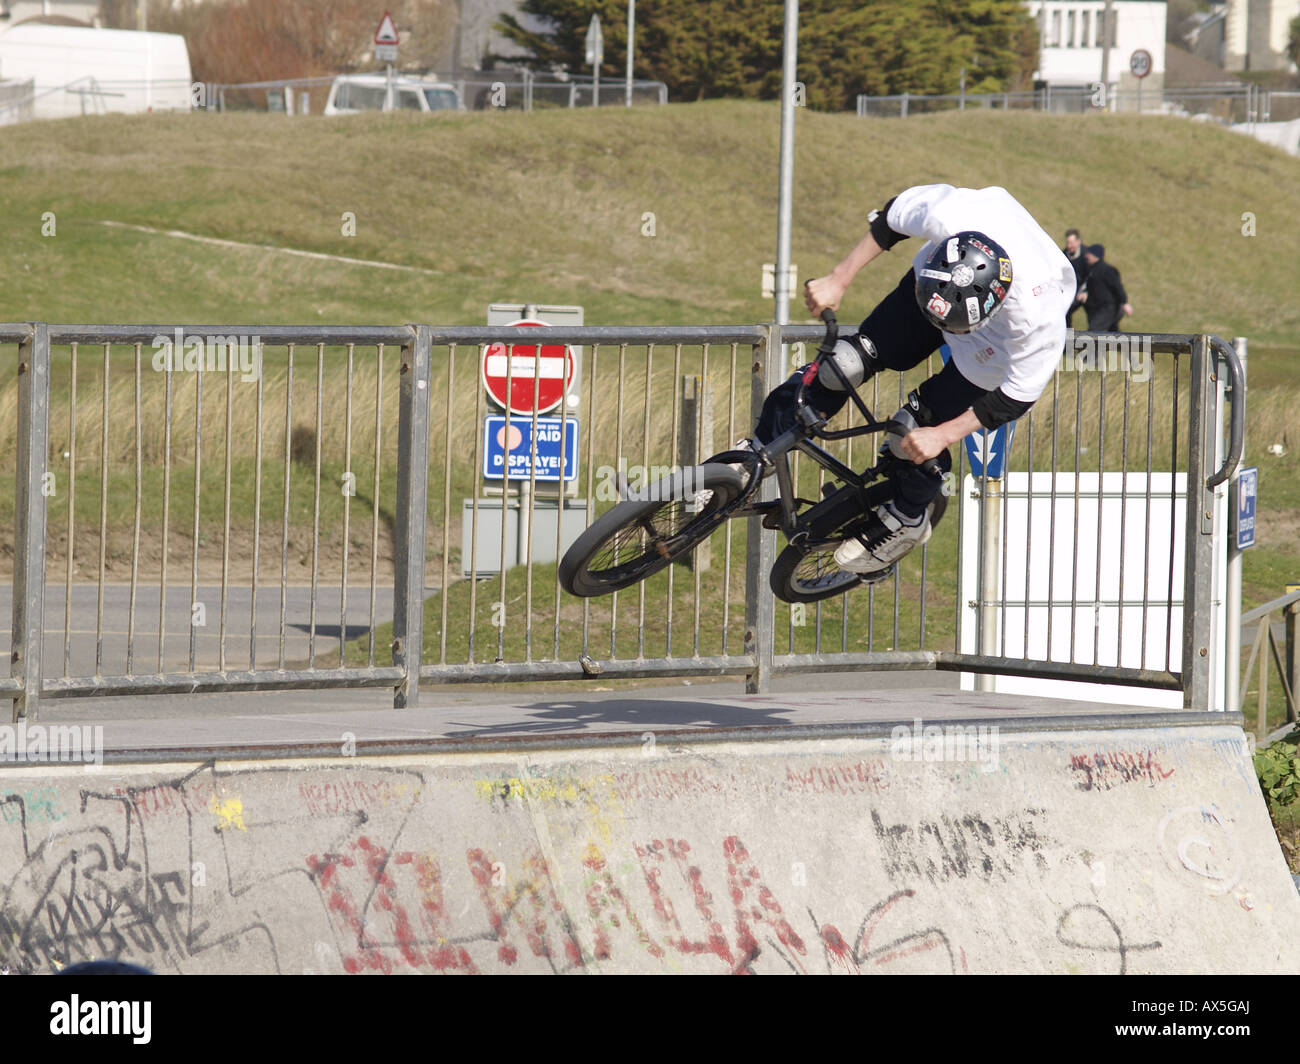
x: 903, y: 338
x: 1104, y: 319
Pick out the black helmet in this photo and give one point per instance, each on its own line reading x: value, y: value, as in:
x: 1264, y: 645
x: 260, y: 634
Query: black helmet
x: 964, y: 282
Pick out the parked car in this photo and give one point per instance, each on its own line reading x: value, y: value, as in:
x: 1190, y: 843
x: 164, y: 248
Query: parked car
x: 354, y: 93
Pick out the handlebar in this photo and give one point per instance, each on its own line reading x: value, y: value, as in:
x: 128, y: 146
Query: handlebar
x: 814, y: 421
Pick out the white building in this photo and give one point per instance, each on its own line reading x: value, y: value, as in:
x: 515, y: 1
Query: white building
x: 1073, y: 33
x: 77, y: 70
x: 1254, y: 34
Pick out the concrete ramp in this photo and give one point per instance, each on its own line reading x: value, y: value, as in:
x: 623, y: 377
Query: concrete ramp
x: 1065, y: 845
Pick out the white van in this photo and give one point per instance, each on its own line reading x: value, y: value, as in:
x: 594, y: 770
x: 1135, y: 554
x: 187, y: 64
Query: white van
x: 354, y: 93
x: 79, y: 70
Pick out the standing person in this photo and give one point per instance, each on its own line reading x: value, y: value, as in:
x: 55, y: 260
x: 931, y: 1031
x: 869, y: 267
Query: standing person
x: 1107, y: 301
x: 1074, y: 252
x: 990, y: 283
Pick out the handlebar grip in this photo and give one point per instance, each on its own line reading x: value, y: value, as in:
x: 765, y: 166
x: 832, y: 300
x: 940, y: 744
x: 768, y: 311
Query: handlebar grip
x: 933, y: 468
x: 828, y: 316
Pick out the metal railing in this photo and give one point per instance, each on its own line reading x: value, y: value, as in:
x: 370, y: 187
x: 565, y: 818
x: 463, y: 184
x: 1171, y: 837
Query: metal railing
x: 1286, y: 661
x: 303, y: 485
x: 1232, y: 104
x: 481, y: 90
x: 17, y: 101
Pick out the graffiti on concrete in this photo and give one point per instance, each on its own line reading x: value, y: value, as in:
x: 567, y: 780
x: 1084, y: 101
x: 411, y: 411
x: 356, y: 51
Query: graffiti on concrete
x: 1090, y: 928
x: 373, y: 869
x: 1105, y: 770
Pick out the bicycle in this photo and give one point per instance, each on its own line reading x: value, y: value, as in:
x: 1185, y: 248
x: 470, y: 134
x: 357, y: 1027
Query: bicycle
x: 664, y: 521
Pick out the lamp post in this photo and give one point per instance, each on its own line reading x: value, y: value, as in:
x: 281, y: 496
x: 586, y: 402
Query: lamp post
x: 631, y: 36
x: 781, y: 287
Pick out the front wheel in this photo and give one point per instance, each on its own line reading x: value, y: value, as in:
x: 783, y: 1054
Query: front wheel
x: 643, y: 534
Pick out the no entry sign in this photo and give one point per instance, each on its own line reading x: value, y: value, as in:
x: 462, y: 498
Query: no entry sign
x: 514, y: 374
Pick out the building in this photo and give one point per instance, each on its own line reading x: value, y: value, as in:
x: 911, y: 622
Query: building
x: 79, y: 12
x: 1073, y: 35
x: 476, y: 38
x: 1246, y: 34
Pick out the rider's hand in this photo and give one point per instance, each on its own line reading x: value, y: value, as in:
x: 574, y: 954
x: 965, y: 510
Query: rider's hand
x: 822, y: 293
x: 923, y: 443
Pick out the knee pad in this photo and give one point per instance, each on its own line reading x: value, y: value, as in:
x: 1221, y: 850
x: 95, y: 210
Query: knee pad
x: 857, y: 359
x: 913, y: 414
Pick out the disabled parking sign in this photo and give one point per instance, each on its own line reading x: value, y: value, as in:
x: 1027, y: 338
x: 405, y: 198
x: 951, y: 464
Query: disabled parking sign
x: 1247, y: 492
x: 557, y: 449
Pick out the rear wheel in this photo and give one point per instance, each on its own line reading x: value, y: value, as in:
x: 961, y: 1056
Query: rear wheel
x: 645, y: 533
x: 802, y: 575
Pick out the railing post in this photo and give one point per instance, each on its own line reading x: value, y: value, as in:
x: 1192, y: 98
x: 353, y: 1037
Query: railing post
x: 768, y: 370
x: 1289, y: 614
x: 29, y: 519
x: 412, y: 513
x: 1198, y: 548
x: 990, y: 594
x: 1232, y: 609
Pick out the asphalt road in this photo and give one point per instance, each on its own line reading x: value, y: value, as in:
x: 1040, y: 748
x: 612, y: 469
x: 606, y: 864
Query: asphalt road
x: 86, y: 637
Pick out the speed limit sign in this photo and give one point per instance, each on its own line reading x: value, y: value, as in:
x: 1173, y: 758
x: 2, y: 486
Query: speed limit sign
x: 1139, y: 63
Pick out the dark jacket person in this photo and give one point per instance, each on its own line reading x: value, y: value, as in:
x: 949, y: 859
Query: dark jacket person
x: 1107, y: 301
x: 1074, y: 252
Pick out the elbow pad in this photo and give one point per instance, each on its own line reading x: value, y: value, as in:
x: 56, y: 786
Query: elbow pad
x: 994, y: 409
x: 884, y: 236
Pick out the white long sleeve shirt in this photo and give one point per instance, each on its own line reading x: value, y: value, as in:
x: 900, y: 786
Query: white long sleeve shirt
x: 1020, y: 346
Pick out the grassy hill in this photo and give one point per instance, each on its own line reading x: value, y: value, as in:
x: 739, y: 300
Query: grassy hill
x: 551, y: 206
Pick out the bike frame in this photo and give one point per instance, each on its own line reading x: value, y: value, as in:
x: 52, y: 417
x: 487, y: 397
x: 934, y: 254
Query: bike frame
x: 810, y: 425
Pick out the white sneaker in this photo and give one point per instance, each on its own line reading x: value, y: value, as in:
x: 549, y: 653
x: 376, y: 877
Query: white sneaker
x: 887, y: 537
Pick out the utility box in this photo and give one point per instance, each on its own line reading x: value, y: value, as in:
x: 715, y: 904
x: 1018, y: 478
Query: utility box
x: 494, y: 526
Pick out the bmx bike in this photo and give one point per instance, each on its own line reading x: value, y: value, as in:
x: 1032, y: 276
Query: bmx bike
x: 665, y: 520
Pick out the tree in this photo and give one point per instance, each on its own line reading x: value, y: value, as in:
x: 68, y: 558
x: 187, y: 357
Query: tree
x: 1293, y: 40
x: 732, y: 48
x: 232, y: 41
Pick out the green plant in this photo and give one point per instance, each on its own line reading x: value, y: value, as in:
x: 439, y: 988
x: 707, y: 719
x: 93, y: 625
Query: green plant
x: 1278, y: 768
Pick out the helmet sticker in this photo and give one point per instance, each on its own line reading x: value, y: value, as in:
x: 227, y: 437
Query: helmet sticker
x: 937, y: 275
x: 962, y: 275
x: 998, y: 290
x: 988, y: 303
x: 972, y: 310
x: 1004, y: 269
x: 983, y: 247
x: 952, y: 249
x: 938, y: 305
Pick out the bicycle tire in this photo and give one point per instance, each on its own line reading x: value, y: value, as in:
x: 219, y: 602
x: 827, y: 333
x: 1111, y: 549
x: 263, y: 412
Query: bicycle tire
x: 800, y: 575
x: 596, y: 565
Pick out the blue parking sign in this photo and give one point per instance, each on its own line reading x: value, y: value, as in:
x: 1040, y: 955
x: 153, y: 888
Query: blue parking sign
x: 1247, y: 492
x: 557, y: 448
